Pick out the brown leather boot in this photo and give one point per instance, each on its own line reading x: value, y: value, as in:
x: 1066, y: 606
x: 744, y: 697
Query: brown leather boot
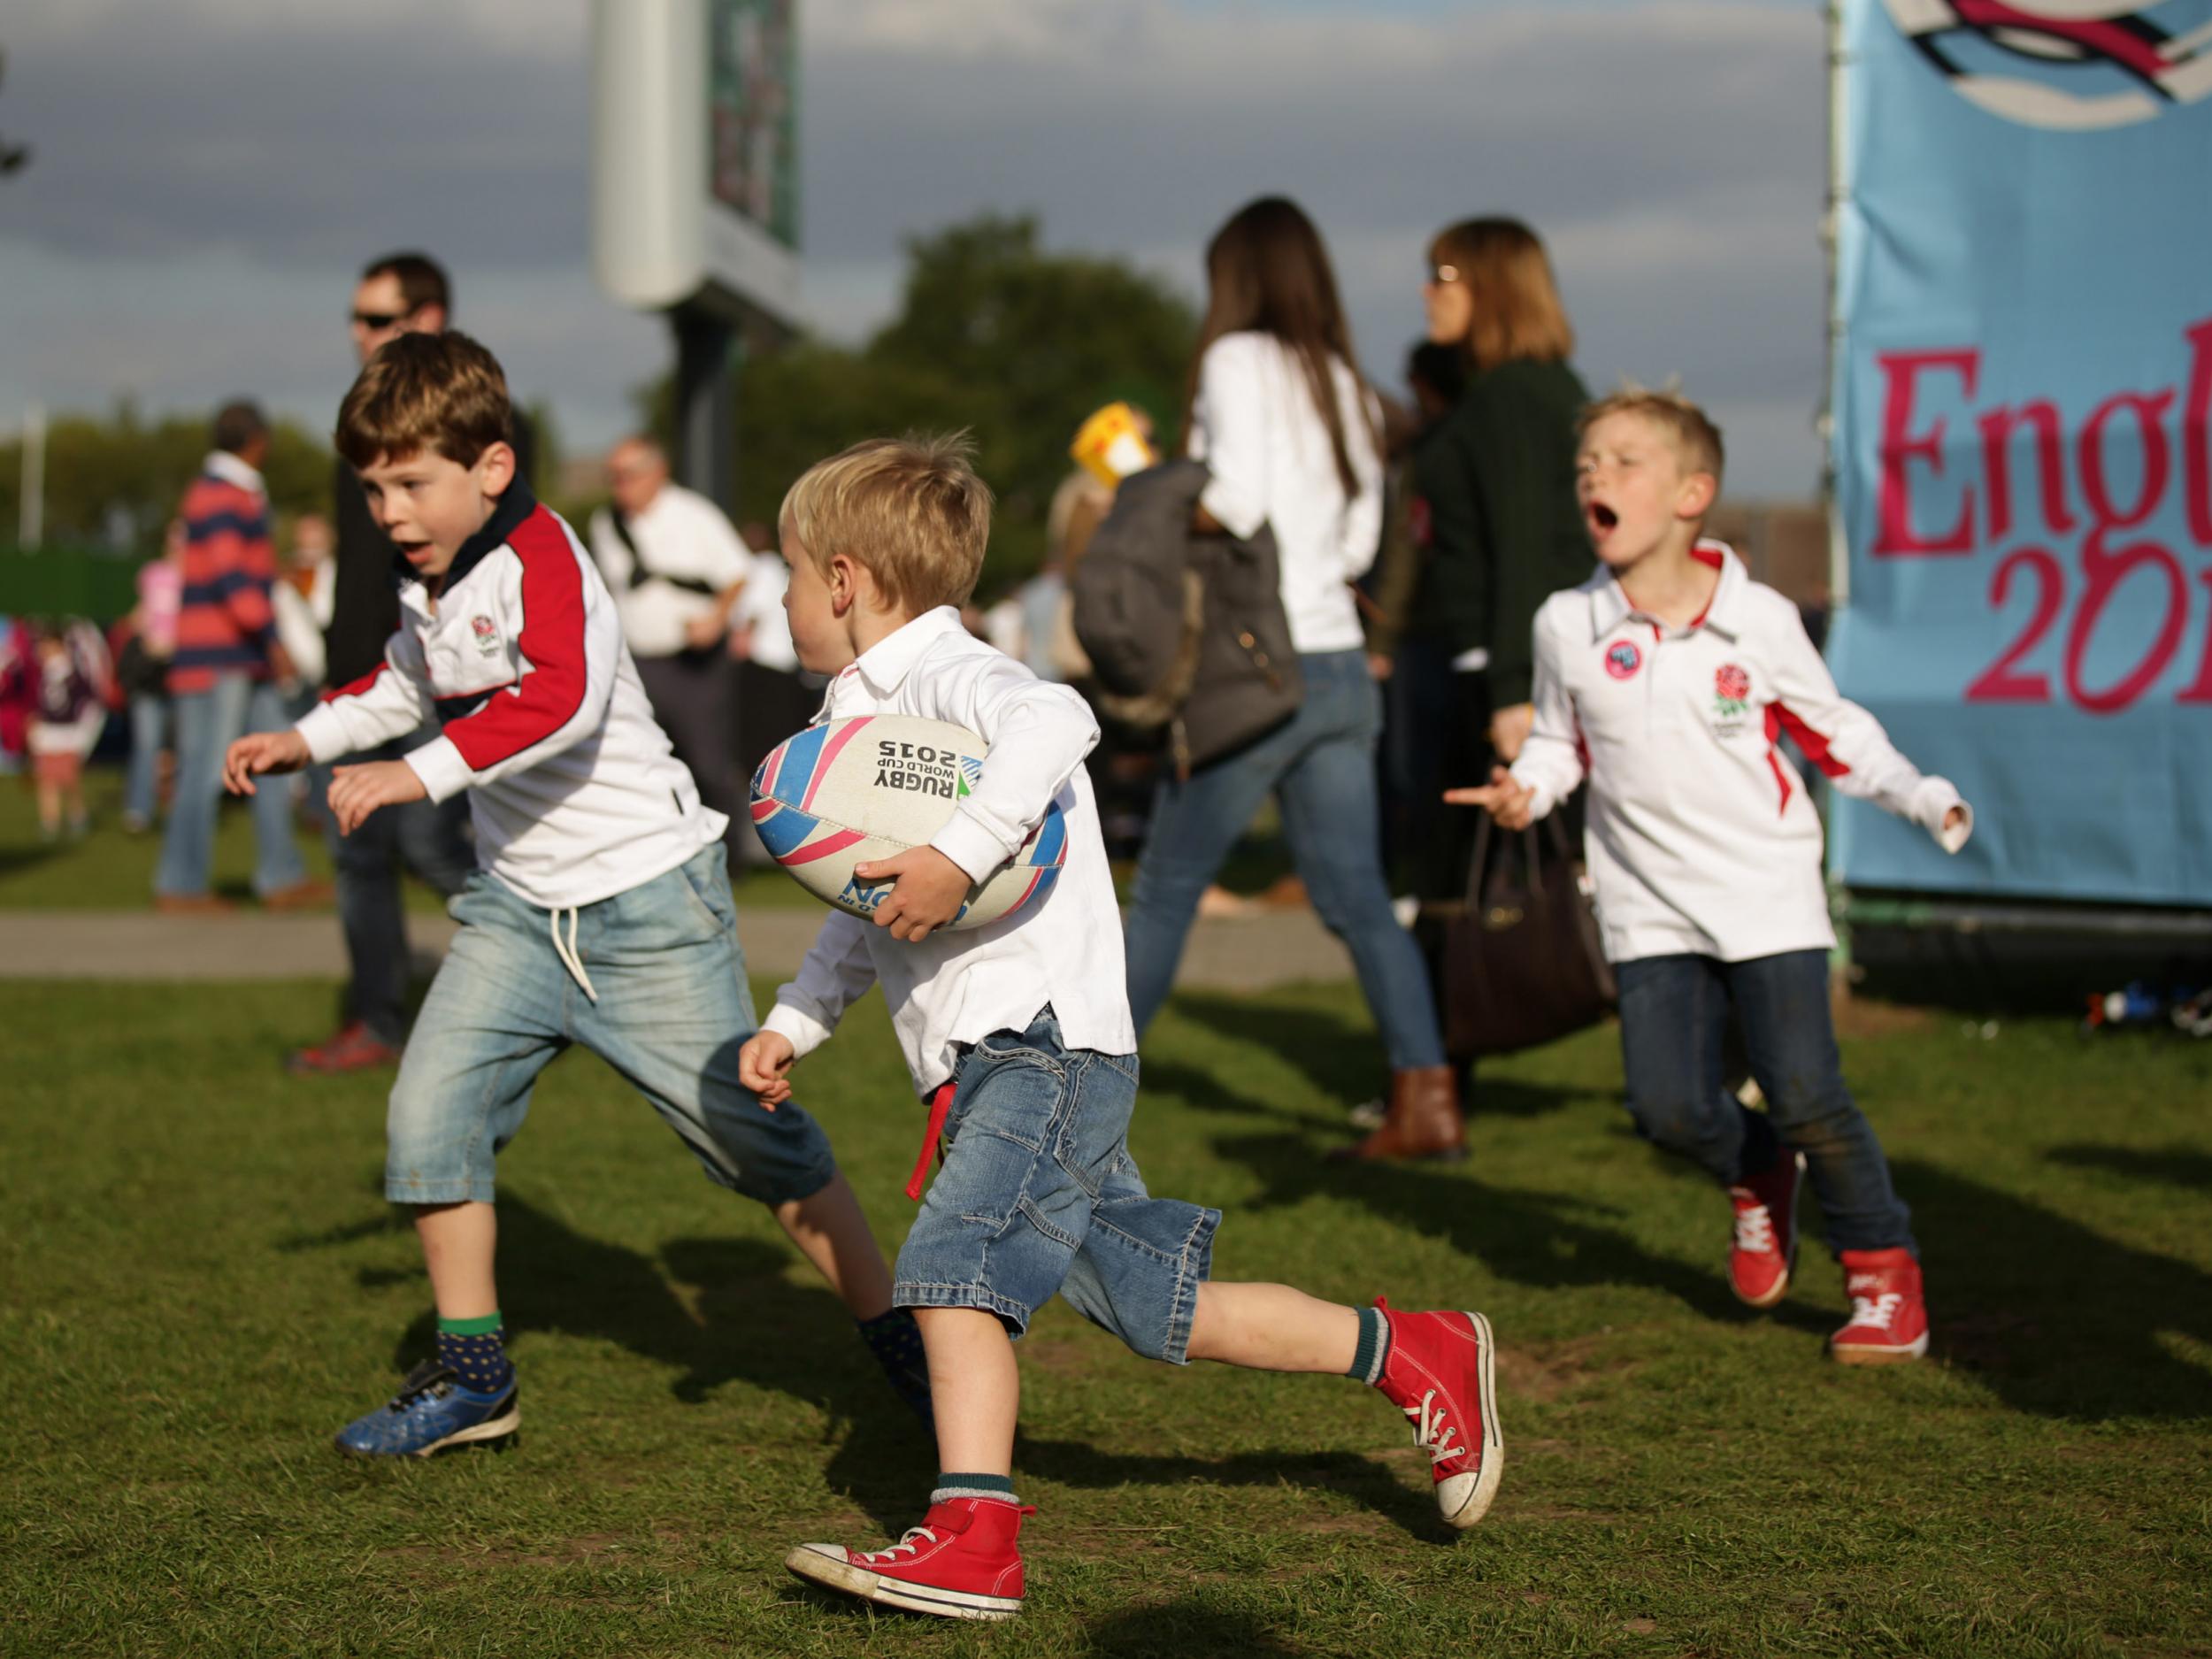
x: 1422, y: 1121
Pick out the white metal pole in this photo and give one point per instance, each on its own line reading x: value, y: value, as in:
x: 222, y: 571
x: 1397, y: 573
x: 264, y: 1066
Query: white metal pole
x: 31, y: 520
x: 1832, y: 238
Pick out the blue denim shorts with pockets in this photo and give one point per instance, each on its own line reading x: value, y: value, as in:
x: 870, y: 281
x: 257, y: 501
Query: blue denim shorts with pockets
x: 673, y: 1012
x: 1038, y: 1193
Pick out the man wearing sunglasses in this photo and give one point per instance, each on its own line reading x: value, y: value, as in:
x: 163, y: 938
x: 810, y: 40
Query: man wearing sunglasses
x: 401, y: 293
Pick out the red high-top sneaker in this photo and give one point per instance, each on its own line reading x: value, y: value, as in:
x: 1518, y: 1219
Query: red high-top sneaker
x: 1441, y: 1372
x: 1889, y: 1317
x: 961, y: 1562
x: 1764, y: 1254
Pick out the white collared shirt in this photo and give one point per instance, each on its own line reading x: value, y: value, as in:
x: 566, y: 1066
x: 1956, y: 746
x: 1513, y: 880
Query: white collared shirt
x: 1701, y: 837
x: 952, y: 990
x: 223, y: 464
x: 1256, y: 427
x: 680, y: 533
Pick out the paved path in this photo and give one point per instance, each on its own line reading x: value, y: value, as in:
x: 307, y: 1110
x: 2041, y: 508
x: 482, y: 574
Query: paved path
x: 1277, y: 947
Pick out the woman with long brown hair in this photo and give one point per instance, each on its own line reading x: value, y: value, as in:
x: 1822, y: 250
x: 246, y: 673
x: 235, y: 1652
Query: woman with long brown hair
x: 1278, y: 413
x: 1494, y: 503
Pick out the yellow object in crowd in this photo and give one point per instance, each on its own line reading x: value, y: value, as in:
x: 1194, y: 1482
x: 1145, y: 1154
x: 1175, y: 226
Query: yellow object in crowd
x: 1112, y: 444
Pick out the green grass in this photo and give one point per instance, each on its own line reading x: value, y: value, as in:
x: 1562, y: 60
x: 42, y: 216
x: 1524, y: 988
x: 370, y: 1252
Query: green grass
x: 199, y: 1282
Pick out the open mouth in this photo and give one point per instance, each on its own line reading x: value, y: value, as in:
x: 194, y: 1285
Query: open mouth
x: 1602, y: 517
x: 411, y: 551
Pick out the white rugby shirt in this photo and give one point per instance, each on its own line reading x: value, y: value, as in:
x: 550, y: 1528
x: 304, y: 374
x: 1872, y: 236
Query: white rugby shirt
x: 1702, y: 839
x: 1064, y: 948
x: 573, y: 789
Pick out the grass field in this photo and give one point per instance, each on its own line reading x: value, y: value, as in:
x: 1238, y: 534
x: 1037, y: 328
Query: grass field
x: 199, y: 1282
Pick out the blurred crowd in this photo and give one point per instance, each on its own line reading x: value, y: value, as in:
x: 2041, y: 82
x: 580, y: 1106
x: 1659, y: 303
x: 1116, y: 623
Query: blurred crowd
x: 1414, y: 541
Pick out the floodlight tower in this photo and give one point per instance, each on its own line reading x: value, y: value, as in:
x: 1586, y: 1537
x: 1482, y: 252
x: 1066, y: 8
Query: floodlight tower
x: 695, y: 194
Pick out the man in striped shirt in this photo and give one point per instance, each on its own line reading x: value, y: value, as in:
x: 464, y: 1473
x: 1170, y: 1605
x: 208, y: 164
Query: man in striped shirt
x: 224, y: 677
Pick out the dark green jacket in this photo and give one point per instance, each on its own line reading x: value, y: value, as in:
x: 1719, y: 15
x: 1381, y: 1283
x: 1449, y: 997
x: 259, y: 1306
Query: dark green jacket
x: 1497, y: 479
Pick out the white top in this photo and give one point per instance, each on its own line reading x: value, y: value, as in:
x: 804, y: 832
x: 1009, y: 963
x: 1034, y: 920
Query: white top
x: 1701, y: 837
x: 573, y: 789
x: 682, y: 534
x: 1256, y: 429
x: 760, y: 608
x: 955, y: 988
x: 298, y: 631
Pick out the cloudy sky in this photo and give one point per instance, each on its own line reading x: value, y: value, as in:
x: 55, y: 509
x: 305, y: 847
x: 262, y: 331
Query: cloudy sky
x: 210, y: 173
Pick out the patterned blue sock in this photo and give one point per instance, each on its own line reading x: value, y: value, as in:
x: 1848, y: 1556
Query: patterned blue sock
x: 476, y: 1349
x: 950, y: 1486
x: 1374, y: 1347
x: 897, y: 1342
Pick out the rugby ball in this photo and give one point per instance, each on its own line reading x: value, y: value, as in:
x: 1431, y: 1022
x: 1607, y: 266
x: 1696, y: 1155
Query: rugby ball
x: 847, y: 792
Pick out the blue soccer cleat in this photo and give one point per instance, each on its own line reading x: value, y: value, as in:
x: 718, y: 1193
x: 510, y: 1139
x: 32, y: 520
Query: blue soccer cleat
x: 430, y: 1412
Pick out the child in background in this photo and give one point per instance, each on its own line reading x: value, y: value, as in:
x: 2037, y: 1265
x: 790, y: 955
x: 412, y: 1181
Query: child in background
x: 1667, y: 680
x: 66, y: 718
x: 1020, y: 1032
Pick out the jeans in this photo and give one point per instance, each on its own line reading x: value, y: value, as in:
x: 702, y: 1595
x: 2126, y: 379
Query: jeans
x: 671, y: 1011
x: 150, y: 731
x: 1321, y: 767
x: 1674, y: 1013
x: 207, y: 722
x: 1038, y: 1194
x: 431, y: 838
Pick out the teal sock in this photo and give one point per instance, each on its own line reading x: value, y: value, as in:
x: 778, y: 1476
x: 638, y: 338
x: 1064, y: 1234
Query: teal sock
x: 476, y: 1349
x: 950, y: 1486
x: 1374, y: 1347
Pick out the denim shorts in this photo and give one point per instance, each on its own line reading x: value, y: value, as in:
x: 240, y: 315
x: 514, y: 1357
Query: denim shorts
x: 672, y: 1010
x: 1038, y: 1193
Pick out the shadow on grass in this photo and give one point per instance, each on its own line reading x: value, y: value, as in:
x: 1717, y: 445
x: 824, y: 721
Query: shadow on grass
x: 1543, y: 1240
x: 1188, y: 1626
x: 25, y: 858
x: 2053, y: 1318
x: 2185, y: 1167
x: 1343, y: 1061
x: 750, y: 1325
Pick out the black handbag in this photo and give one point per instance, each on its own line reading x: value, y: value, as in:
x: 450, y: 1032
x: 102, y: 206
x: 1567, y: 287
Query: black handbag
x: 1523, y: 960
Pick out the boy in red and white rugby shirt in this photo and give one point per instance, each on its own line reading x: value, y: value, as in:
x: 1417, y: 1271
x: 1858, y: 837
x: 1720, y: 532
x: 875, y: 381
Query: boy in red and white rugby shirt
x: 1667, y: 680
x: 601, y: 917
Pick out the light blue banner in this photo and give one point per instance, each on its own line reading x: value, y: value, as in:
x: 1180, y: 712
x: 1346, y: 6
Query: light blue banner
x: 2023, y: 459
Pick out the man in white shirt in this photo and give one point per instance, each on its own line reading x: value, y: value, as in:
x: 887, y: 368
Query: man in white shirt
x: 676, y: 569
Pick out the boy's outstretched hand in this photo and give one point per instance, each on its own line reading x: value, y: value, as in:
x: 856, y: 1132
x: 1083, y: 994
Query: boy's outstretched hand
x: 763, y: 1065
x: 358, y: 791
x: 262, y: 752
x: 928, y: 891
x: 1504, y: 797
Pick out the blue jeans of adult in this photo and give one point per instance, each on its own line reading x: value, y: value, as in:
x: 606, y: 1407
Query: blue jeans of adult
x: 150, y: 731
x: 207, y: 722
x: 1320, y: 767
x: 1674, y: 1014
x: 430, y: 838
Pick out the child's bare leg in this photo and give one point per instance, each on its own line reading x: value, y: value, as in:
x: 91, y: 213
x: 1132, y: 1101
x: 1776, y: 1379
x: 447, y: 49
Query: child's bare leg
x: 458, y: 1244
x: 49, y: 807
x: 975, y: 1384
x: 831, y: 1232
x: 1272, y: 1327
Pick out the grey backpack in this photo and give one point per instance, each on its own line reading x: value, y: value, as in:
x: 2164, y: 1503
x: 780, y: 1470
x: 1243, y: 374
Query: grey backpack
x: 1183, y: 630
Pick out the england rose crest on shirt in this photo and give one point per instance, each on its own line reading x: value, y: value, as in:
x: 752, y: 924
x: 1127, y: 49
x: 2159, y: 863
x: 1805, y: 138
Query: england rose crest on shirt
x: 1732, y: 699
